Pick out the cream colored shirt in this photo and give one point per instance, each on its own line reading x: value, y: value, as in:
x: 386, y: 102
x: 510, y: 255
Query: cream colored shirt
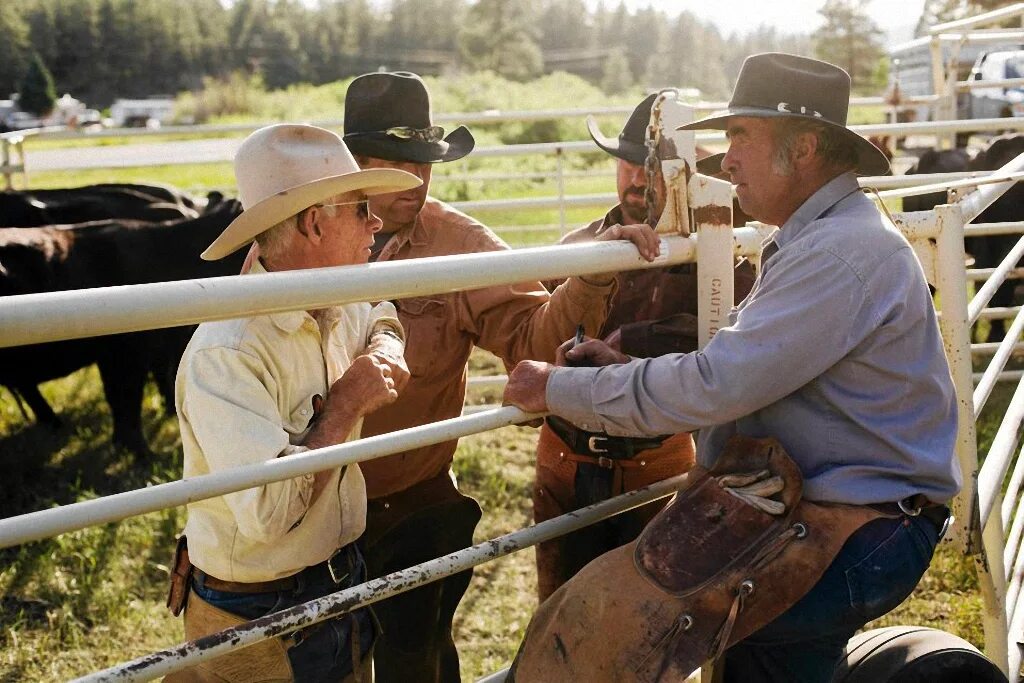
x: 244, y: 395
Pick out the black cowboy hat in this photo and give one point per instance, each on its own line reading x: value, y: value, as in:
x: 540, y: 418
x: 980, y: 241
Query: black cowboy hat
x: 629, y: 146
x: 776, y: 85
x: 712, y: 165
x: 387, y: 116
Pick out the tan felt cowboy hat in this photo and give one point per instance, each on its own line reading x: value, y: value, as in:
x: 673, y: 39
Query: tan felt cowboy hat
x: 285, y: 168
x: 777, y: 85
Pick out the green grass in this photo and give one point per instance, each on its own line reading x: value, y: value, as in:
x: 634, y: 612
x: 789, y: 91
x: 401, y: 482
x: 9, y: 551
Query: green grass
x: 114, y: 140
x: 185, y: 176
x: 90, y: 599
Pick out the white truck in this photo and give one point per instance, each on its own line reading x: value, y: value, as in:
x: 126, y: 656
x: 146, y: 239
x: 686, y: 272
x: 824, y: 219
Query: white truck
x: 995, y: 100
x: 912, y: 71
x: 150, y: 112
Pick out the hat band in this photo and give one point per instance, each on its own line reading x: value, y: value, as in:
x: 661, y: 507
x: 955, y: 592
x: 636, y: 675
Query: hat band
x: 794, y: 108
x: 428, y: 134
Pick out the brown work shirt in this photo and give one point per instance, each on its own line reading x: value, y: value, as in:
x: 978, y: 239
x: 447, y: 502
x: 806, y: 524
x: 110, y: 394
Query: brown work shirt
x: 654, y: 309
x: 514, y: 322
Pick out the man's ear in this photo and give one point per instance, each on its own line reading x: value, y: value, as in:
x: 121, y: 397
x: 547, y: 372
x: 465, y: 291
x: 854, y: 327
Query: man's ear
x: 805, y: 149
x: 309, y: 224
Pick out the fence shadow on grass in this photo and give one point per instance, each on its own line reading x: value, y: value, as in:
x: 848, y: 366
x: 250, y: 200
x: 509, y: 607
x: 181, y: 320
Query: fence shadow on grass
x: 82, y: 584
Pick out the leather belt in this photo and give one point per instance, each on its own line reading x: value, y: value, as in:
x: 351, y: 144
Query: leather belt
x: 336, y: 569
x: 917, y: 505
x: 598, y: 444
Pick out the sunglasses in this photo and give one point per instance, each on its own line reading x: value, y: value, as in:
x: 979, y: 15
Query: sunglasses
x: 362, y: 207
x: 428, y: 134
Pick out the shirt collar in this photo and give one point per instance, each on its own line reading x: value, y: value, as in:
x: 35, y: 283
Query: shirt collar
x: 416, y: 235
x: 286, y: 321
x: 827, y: 196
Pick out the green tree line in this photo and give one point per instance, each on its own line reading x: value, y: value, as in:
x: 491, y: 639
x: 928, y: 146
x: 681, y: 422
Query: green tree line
x: 98, y: 50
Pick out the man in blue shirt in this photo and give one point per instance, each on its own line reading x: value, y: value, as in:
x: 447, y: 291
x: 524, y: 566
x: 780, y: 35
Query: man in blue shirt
x: 836, y: 353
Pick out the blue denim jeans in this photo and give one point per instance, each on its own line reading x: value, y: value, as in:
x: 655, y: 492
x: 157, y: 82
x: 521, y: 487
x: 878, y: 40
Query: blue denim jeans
x: 875, y: 570
x: 325, y: 652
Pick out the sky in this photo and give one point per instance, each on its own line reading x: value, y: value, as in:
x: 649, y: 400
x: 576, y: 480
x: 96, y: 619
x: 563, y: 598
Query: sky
x: 899, y: 17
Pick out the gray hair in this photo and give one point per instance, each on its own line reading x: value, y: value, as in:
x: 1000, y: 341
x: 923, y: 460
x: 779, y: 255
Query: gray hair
x: 835, y: 150
x: 274, y: 240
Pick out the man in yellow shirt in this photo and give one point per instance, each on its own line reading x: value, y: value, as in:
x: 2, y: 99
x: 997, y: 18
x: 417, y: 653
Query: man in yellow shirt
x: 254, y: 389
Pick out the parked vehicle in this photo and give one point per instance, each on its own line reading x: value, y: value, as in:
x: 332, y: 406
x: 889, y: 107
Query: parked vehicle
x: 911, y: 70
x: 142, y: 113
x: 996, y: 101
x: 18, y: 120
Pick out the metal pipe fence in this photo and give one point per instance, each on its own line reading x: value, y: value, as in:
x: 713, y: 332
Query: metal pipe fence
x: 939, y: 234
x: 175, y: 659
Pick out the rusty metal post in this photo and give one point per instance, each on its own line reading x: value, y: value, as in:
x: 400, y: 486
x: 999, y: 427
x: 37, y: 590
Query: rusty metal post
x: 711, y: 200
x: 956, y: 335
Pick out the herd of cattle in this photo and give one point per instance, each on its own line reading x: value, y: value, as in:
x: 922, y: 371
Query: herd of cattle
x: 987, y: 251
x: 117, y: 234
x: 101, y: 236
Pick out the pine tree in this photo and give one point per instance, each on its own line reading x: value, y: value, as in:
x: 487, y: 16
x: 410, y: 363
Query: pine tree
x: 617, y: 77
x: 14, y: 44
x: 849, y: 39
x: 37, y: 93
x: 498, y: 35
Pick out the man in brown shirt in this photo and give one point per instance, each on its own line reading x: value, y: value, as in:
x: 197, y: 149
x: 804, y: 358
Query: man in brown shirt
x: 415, y: 513
x: 653, y: 312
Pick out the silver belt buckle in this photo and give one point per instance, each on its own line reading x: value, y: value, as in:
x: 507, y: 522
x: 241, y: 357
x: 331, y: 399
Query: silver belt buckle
x: 907, y: 510
x: 330, y: 568
x: 592, y: 445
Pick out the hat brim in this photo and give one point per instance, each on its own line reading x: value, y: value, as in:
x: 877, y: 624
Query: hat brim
x: 623, y: 149
x: 870, y: 159
x: 379, y: 145
x: 269, y: 212
x: 711, y: 165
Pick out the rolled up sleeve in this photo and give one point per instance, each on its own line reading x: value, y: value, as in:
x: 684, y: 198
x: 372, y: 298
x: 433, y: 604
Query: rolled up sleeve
x: 384, y: 316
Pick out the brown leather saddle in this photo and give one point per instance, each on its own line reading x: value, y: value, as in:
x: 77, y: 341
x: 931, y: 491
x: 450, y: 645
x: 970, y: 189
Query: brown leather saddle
x: 732, y: 551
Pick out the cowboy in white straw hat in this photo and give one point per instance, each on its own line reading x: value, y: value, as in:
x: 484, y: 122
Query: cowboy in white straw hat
x: 253, y: 389
x: 834, y: 358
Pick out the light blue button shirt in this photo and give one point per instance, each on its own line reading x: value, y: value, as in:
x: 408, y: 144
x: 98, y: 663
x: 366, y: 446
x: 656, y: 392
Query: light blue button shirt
x: 836, y: 353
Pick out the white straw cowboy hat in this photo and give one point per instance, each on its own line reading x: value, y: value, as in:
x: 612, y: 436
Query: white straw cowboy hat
x: 285, y: 168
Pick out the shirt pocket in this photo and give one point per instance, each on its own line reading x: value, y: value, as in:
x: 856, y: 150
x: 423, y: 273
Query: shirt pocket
x: 301, y: 418
x: 424, y: 320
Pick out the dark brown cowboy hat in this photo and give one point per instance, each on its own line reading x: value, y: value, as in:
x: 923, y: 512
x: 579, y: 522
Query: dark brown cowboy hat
x: 387, y: 116
x: 630, y: 145
x: 776, y: 85
x: 712, y: 165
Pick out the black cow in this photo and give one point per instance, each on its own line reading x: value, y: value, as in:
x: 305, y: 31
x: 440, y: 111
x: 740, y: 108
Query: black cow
x: 30, y: 208
x: 987, y: 251
x: 103, y: 254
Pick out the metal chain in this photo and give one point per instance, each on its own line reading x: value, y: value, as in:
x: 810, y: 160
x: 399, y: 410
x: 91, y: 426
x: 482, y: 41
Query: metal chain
x: 652, y: 163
